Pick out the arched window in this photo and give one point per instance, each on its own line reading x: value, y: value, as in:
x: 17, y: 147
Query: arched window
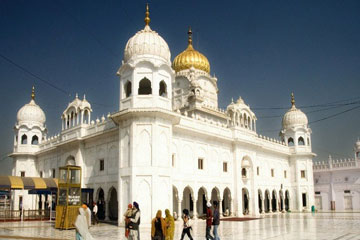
x: 291, y: 142
x: 24, y: 139
x: 72, y: 119
x: 35, y: 140
x: 243, y: 172
x: 86, y: 116
x: 249, y: 123
x: 145, y: 87
x: 162, y: 89
x: 127, y: 89
x: 301, y: 141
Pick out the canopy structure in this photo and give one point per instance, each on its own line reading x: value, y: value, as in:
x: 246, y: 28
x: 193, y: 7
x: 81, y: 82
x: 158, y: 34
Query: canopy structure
x: 29, y: 183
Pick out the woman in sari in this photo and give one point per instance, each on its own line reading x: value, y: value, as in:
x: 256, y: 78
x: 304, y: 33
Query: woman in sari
x: 82, y: 227
x: 170, y: 225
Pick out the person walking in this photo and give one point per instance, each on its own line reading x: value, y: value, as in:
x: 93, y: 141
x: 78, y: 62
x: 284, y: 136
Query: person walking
x: 87, y: 214
x: 187, y: 225
x: 82, y: 227
x: 158, y: 227
x: 170, y: 225
x: 216, y: 220
x: 209, y: 217
x: 127, y: 216
x: 95, y: 211
x: 135, y: 222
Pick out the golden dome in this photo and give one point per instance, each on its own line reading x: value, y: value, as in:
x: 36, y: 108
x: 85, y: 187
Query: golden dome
x: 191, y: 58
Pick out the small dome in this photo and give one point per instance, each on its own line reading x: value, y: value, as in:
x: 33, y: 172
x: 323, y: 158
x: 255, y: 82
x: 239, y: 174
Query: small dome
x: 294, y: 117
x: 357, y: 144
x: 191, y: 58
x: 147, y: 42
x: 31, y: 112
x: 76, y: 103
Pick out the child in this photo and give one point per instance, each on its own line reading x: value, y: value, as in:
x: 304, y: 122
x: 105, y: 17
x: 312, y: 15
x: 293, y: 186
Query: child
x: 127, y: 216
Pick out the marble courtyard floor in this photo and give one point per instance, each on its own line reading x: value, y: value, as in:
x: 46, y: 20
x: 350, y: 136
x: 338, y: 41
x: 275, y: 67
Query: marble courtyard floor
x: 289, y: 226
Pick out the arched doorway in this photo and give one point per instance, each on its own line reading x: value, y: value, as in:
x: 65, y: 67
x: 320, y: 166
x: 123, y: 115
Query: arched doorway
x: 287, y: 200
x: 101, y: 204
x: 226, y: 204
x: 215, y: 194
x: 260, y: 199
x: 281, y: 203
x: 144, y: 87
x: 201, y: 203
x: 267, y: 201
x: 113, y: 205
x: 245, y: 198
x: 187, y: 202
x: 175, y: 201
x: 274, y: 201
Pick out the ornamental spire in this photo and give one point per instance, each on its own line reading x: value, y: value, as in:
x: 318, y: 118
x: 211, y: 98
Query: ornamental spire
x: 147, y: 18
x: 33, y: 93
x: 292, y: 100
x: 190, y: 36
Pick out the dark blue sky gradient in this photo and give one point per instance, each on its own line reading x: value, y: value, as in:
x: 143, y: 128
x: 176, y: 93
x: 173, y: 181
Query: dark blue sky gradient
x: 260, y: 50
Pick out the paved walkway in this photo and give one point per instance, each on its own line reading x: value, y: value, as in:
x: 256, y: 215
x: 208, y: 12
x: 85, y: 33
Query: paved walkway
x: 289, y: 226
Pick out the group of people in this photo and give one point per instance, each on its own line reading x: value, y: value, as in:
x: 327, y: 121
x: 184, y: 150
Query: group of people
x: 132, y: 221
x: 212, y: 219
x: 161, y: 228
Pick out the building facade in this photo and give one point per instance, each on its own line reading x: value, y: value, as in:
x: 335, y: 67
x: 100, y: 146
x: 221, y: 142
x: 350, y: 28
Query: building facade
x: 169, y: 145
x: 337, y: 183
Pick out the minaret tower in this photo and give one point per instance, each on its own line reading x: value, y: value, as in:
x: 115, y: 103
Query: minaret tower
x: 30, y: 127
x: 145, y: 121
x: 30, y: 130
x: 296, y: 134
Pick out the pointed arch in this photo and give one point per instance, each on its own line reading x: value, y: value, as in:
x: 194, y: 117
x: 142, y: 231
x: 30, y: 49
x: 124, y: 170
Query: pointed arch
x: 202, y: 200
x: 113, y: 204
x: 144, y: 149
x: 163, y: 89
x: 245, y: 201
x: 290, y: 141
x: 127, y: 89
x: 35, y: 140
x: 301, y: 141
x: 226, y: 203
x: 145, y: 87
x: 24, y: 139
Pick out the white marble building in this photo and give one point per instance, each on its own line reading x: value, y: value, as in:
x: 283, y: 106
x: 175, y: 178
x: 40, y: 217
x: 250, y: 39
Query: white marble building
x: 337, y: 183
x: 169, y: 145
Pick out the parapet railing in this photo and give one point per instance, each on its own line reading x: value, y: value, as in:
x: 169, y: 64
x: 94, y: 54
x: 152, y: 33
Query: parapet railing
x: 29, y: 215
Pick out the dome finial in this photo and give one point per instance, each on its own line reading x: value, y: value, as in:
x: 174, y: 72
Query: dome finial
x: 190, y: 36
x: 292, y: 99
x: 33, y: 93
x: 147, y: 18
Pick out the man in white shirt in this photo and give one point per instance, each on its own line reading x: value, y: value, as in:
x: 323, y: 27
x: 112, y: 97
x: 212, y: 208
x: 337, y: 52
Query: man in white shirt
x: 95, y: 211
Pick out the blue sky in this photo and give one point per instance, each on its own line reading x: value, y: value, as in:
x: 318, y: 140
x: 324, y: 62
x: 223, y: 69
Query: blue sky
x: 259, y: 50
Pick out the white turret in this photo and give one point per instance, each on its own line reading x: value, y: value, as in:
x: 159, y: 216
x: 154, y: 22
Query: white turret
x: 77, y: 113
x: 295, y: 131
x: 146, y: 73
x: 30, y: 127
x: 241, y: 115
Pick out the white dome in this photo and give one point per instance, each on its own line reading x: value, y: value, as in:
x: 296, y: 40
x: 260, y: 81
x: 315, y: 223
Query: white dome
x: 294, y: 117
x: 31, y: 113
x: 147, y: 42
x: 357, y: 144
